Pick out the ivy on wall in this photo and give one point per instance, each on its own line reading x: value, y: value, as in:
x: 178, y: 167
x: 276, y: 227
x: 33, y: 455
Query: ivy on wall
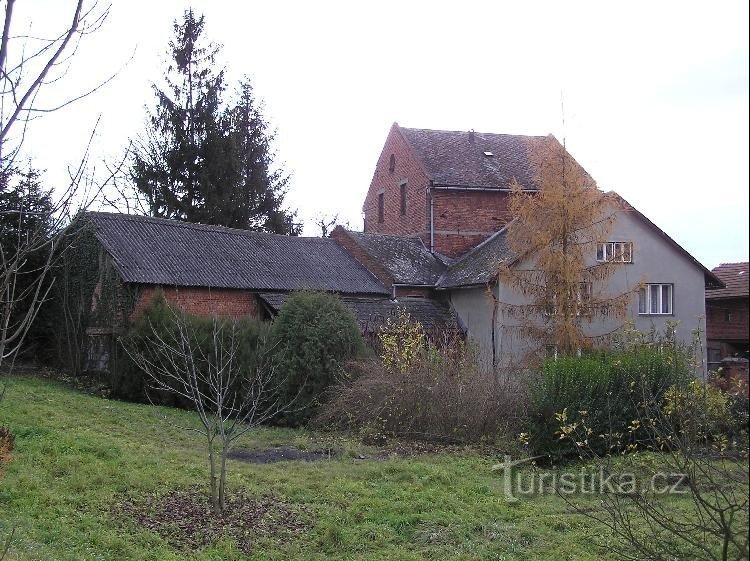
x: 88, y: 305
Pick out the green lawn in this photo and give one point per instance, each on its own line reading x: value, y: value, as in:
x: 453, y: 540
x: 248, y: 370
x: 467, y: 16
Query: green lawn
x: 76, y: 454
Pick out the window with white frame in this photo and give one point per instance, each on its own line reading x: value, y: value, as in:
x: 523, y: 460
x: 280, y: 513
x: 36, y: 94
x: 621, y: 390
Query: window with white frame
x: 655, y: 299
x: 616, y: 252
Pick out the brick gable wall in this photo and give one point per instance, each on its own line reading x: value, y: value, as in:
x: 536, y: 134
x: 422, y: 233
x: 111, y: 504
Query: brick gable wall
x: 408, y: 169
x: 462, y: 219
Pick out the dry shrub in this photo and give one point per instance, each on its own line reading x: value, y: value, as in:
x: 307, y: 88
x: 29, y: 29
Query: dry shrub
x: 6, y: 444
x: 442, y: 393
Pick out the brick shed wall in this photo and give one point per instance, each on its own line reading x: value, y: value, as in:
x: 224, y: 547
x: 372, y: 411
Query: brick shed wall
x: 224, y: 302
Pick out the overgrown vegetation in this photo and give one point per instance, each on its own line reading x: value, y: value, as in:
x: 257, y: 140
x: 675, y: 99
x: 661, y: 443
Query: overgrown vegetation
x: 129, y: 380
x: 421, y: 388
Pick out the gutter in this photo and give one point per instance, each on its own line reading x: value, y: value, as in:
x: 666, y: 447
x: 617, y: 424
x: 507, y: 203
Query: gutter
x: 487, y: 189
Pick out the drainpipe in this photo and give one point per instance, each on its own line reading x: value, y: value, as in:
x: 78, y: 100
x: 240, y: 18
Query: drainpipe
x: 432, y: 219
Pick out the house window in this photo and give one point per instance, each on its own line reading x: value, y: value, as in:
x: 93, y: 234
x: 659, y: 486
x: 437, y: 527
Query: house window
x: 403, y: 199
x: 392, y: 164
x: 655, y: 299
x: 616, y: 252
x: 728, y: 316
x: 381, y: 207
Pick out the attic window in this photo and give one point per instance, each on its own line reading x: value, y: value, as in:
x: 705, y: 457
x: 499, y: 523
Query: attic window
x: 488, y: 154
x: 392, y: 164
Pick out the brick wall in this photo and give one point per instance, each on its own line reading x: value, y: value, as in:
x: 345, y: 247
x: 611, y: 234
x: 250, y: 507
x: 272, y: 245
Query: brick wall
x: 727, y: 319
x: 463, y: 219
x: 223, y: 302
x: 408, y: 169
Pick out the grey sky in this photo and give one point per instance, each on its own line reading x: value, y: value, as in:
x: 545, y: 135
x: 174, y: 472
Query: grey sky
x: 655, y: 93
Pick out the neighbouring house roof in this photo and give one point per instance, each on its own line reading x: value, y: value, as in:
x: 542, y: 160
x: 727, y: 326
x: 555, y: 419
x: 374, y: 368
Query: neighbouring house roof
x: 735, y: 277
x: 405, y: 259
x: 371, y: 313
x: 167, y: 252
x: 453, y: 159
x: 480, y: 265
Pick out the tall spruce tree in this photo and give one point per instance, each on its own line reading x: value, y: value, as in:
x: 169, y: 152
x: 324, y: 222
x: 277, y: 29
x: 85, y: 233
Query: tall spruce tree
x: 201, y: 160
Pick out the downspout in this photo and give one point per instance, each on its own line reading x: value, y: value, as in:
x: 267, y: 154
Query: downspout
x: 432, y: 219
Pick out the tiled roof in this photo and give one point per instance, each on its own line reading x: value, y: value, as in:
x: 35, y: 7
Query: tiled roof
x: 371, y: 313
x: 406, y: 259
x: 167, y: 252
x: 480, y: 265
x: 735, y: 276
x: 452, y: 158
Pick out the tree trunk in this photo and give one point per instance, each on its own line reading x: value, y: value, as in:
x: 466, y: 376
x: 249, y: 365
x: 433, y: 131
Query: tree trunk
x: 214, y: 488
x: 223, y: 475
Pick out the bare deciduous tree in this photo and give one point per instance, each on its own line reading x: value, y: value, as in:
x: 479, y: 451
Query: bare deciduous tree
x: 28, y: 65
x: 229, y: 398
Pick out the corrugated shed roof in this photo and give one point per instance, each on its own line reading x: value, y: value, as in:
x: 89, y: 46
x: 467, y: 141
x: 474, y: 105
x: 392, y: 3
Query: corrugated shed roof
x: 167, y: 252
x: 452, y: 158
x: 406, y: 259
x: 735, y: 277
x: 480, y: 265
x: 371, y: 313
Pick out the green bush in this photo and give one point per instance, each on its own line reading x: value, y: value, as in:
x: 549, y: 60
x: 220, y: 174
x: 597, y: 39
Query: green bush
x: 314, y: 336
x: 128, y: 381
x: 603, y: 393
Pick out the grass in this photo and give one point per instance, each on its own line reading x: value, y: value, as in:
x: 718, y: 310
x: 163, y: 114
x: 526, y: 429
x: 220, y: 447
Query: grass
x: 76, y: 454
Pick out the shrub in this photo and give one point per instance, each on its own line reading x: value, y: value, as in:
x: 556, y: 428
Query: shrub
x: 698, y: 410
x: 313, y: 336
x: 438, y: 393
x: 603, y: 392
x: 128, y: 381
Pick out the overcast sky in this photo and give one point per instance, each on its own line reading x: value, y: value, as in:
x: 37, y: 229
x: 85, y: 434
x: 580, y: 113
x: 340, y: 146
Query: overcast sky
x: 655, y: 94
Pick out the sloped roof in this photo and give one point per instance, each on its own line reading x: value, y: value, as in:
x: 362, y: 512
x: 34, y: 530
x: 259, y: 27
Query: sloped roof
x: 167, y: 252
x: 406, y: 259
x: 735, y: 277
x: 451, y: 158
x: 480, y: 265
x: 372, y: 312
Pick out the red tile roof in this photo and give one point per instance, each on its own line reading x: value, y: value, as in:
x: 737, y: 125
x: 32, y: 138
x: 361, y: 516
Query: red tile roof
x: 735, y: 276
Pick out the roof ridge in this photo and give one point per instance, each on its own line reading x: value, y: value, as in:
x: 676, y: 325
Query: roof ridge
x: 192, y: 225
x: 475, y: 132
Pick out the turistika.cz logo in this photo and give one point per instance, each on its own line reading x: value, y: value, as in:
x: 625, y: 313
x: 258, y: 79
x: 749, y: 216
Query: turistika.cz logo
x: 527, y: 483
